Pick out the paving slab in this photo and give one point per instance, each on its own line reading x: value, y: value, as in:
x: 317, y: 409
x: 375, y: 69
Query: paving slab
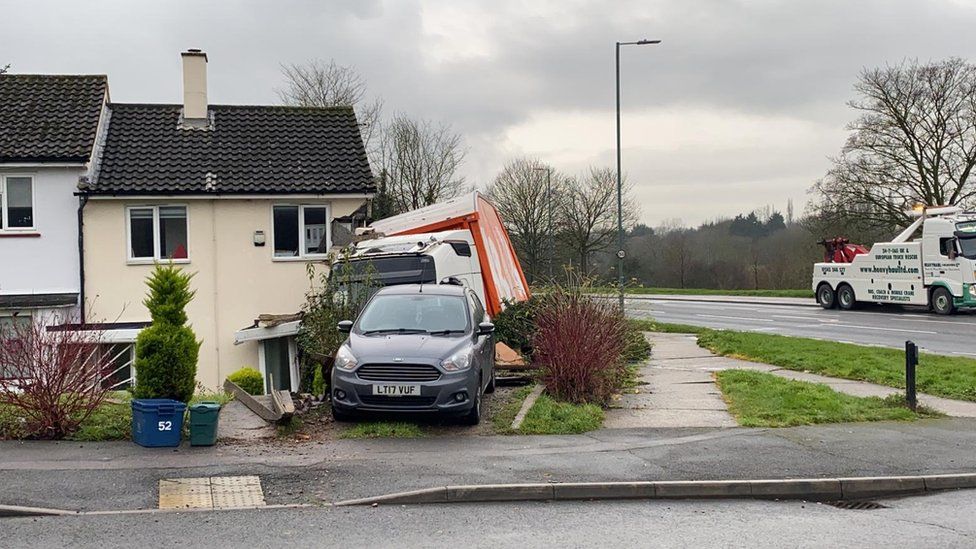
x: 677, y: 389
x: 237, y: 422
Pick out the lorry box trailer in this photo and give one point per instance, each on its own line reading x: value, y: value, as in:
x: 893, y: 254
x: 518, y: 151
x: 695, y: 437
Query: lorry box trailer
x: 463, y: 238
x: 937, y: 270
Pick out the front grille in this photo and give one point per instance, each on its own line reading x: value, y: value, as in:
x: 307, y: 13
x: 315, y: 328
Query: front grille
x: 398, y: 372
x: 398, y: 401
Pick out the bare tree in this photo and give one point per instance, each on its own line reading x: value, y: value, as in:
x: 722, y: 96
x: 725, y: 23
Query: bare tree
x: 527, y: 194
x: 316, y: 83
x: 420, y: 161
x: 589, y: 220
x: 913, y: 143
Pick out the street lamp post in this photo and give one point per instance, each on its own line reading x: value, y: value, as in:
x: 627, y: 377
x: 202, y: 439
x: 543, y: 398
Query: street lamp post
x: 551, y: 246
x: 620, y: 198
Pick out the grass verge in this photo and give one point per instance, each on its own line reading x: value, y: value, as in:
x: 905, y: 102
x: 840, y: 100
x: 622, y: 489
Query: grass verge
x: 383, y: 429
x: 550, y: 417
x: 946, y: 376
x: 651, y: 325
x: 758, y: 399
x: 501, y: 421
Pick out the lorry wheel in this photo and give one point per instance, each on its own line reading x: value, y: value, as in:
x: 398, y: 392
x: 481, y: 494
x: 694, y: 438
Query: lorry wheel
x: 826, y: 296
x: 941, y: 301
x: 845, y: 297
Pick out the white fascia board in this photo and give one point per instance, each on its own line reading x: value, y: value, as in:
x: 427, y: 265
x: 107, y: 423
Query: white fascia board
x: 216, y: 196
x: 258, y: 333
x: 118, y: 335
x: 33, y: 165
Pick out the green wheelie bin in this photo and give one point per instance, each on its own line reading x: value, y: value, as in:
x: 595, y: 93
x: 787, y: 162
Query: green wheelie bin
x: 203, y: 423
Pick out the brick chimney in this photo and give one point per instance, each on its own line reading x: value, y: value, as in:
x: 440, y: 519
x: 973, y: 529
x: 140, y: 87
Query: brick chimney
x: 195, y: 88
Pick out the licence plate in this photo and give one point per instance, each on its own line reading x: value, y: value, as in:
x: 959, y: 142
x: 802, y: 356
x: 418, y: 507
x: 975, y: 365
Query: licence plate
x: 396, y: 390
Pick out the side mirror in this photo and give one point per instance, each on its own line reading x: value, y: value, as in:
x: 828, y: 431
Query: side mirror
x: 344, y: 326
x: 485, y: 328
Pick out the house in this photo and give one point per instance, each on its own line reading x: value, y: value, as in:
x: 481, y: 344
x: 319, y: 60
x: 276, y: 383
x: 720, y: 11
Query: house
x: 245, y: 197
x: 48, y: 130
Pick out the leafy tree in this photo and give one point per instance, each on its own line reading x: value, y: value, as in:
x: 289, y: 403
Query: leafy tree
x: 912, y: 143
x: 167, y: 351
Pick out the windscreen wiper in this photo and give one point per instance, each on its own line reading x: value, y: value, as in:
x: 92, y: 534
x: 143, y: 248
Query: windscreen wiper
x: 395, y: 331
x: 446, y: 332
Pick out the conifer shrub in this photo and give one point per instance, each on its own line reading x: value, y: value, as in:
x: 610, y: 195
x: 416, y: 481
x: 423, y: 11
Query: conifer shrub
x: 167, y: 350
x: 248, y: 379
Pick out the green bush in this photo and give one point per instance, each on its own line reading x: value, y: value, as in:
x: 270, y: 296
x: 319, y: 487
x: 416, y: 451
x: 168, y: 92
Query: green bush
x: 318, y: 382
x: 167, y: 351
x: 248, y: 379
x: 637, y: 348
x: 515, y: 326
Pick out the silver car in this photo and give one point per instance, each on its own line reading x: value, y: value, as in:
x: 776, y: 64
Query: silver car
x: 416, y: 348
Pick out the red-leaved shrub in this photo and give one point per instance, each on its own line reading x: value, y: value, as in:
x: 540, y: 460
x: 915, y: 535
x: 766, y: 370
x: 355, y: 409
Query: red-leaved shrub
x: 578, y: 345
x: 50, y: 379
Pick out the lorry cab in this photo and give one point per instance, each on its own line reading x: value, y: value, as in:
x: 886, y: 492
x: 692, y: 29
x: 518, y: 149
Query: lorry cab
x: 946, y: 242
x: 426, y: 258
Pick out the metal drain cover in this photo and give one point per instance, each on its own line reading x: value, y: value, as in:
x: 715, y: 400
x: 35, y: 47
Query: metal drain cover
x: 210, y: 492
x: 856, y: 505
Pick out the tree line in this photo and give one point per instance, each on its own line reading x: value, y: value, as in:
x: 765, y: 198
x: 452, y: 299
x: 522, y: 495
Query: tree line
x: 912, y: 142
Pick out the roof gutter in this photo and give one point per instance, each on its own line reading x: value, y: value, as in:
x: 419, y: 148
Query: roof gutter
x: 224, y: 196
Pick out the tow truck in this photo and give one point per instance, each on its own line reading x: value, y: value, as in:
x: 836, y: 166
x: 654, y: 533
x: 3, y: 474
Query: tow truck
x: 937, y: 270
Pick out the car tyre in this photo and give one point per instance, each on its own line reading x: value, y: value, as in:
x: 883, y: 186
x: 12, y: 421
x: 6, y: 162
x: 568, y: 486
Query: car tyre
x: 341, y: 417
x: 474, y: 416
x: 826, y: 296
x: 941, y: 301
x: 846, y: 299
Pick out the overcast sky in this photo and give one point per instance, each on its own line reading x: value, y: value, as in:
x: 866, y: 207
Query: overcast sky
x: 739, y: 107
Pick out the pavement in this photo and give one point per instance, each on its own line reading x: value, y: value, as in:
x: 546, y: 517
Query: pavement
x: 120, y: 475
x: 679, y: 388
x: 886, y: 326
x: 942, y: 520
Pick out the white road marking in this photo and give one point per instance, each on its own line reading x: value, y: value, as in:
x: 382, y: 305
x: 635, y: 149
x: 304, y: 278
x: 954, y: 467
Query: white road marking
x: 883, y: 329
x: 737, y: 318
x: 802, y: 318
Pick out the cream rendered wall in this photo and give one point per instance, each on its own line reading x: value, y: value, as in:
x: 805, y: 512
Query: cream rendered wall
x: 235, y: 280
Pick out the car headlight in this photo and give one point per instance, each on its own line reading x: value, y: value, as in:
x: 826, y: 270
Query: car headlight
x: 344, y: 359
x: 458, y: 361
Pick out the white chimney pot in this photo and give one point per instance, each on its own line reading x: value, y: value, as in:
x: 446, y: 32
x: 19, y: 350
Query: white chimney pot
x: 194, y: 85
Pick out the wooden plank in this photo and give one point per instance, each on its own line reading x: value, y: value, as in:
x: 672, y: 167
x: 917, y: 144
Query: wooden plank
x: 252, y: 403
x: 283, y: 404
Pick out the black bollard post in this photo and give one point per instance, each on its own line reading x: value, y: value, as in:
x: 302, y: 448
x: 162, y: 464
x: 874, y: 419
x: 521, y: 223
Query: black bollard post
x: 911, y: 360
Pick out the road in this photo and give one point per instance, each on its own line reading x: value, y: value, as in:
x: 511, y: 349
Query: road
x: 942, y: 520
x: 885, y: 326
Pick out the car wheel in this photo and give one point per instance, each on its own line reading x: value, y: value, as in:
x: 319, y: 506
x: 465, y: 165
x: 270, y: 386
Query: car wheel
x: 845, y: 297
x: 941, y: 301
x: 826, y: 296
x: 341, y: 417
x: 474, y: 416
x: 491, y: 383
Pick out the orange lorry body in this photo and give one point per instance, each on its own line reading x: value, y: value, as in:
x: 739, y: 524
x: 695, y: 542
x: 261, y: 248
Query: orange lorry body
x: 500, y: 268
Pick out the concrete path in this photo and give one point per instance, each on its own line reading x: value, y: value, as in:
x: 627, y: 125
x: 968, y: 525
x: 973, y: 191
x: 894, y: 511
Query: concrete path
x: 683, y: 393
x: 237, y: 422
x: 678, y: 389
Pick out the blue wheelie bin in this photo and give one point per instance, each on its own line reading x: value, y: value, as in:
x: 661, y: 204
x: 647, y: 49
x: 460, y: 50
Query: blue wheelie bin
x: 157, y: 422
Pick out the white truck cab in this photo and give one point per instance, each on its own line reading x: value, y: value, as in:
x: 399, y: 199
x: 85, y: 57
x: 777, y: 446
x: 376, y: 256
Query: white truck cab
x: 937, y: 270
x: 419, y: 258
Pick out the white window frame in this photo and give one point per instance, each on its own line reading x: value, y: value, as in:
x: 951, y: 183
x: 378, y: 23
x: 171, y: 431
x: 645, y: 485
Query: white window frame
x: 302, y: 256
x: 156, y: 251
x: 3, y: 204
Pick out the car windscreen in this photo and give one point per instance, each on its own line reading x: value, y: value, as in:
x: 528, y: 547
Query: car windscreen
x: 389, y: 271
x: 414, y: 313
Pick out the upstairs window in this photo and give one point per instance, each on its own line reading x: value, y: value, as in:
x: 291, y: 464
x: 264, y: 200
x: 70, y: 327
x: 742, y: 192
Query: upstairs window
x: 301, y: 231
x: 157, y: 233
x: 16, y: 202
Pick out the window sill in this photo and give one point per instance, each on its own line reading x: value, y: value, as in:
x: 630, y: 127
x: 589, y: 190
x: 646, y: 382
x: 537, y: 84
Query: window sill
x: 159, y: 261
x: 305, y: 259
x: 20, y: 234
